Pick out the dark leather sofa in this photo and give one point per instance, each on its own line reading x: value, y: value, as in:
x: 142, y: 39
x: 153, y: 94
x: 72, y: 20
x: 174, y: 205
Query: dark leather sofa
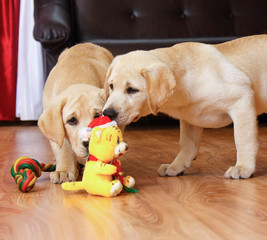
x: 125, y: 25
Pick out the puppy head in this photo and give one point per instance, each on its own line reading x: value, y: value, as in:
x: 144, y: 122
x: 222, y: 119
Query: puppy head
x: 137, y: 84
x: 69, y: 114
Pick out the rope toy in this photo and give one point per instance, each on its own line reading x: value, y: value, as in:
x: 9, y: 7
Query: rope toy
x: 26, y: 170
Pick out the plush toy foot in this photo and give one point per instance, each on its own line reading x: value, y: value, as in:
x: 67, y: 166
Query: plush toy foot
x: 116, y: 188
x: 128, y: 181
x: 72, y: 186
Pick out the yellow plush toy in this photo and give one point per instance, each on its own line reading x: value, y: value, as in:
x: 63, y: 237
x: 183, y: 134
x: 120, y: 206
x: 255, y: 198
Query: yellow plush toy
x: 102, y: 174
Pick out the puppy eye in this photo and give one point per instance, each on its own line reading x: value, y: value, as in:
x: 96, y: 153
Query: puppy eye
x: 131, y: 90
x: 111, y: 86
x: 73, y: 121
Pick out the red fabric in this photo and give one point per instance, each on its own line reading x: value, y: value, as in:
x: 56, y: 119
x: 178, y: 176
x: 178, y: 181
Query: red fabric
x: 92, y: 158
x: 99, y: 121
x: 9, y: 27
x: 118, y: 174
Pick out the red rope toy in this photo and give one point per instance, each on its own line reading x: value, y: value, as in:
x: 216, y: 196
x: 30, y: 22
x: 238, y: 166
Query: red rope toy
x: 26, y: 170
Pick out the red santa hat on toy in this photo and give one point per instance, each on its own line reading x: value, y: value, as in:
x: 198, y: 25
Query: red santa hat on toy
x: 102, y: 121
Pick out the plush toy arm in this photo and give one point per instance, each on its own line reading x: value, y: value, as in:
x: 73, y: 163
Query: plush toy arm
x: 105, y: 169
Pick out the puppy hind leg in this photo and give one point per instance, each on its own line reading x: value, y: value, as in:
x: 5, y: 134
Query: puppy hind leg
x: 189, y: 146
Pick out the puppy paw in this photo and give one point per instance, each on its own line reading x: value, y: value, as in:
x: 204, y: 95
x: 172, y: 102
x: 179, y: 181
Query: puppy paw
x: 168, y: 170
x: 60, y: 176
x: 116, y: 188
x: 239, y: 172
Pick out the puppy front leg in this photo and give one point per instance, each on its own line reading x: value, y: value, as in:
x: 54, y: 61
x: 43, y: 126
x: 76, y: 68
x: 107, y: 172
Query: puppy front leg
x: 66, y: 163
x: 245, y: 133
x: 189, y: 145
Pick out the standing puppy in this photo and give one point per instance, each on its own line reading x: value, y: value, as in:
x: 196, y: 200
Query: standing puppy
x: 72, y: 97
x: 205, y: 86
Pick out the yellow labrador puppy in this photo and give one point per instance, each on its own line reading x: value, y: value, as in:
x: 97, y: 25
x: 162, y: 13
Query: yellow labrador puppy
x: 205, y: 86
x: 72, y: 97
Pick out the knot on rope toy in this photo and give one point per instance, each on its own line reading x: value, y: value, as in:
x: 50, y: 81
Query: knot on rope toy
x: 26, y: 170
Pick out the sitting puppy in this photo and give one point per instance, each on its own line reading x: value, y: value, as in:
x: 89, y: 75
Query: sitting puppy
x: 205, y: 86
x: 72, y: 97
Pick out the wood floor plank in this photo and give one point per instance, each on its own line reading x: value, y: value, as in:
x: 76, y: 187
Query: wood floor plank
x: 201, y: 204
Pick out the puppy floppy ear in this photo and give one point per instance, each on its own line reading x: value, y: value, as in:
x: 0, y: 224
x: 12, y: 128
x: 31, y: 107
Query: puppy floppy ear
x: 160, y: 84
x: 51, y: 122
x: 106, y: 85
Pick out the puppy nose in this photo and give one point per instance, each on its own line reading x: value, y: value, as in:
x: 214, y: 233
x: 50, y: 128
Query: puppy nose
x: 86, y: 144
x: 111, y: 113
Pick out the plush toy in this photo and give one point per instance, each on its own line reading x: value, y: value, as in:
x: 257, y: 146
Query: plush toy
x: 102, y: 174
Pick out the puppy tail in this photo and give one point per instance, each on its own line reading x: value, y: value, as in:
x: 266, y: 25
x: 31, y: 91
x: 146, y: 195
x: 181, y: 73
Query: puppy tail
x: 72, y: 186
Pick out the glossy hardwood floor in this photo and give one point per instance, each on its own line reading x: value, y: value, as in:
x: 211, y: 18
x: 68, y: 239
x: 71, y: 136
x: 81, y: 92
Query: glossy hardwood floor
x: 199, y: 205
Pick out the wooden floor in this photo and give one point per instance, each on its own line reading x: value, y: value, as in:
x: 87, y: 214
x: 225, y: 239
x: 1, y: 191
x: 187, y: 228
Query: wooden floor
x: 199, y: 205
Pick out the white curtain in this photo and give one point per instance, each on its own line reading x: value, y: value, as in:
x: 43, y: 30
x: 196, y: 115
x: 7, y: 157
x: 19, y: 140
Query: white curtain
x: 30, y: 80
